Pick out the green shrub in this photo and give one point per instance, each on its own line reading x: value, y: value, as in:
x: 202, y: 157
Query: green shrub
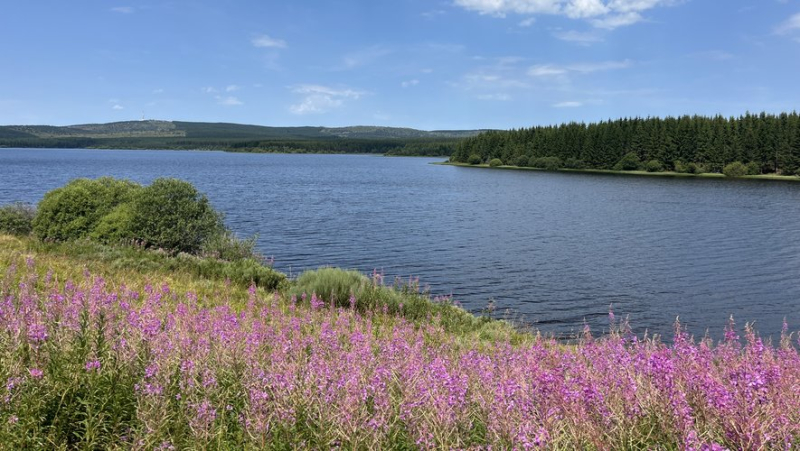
x: 630, y: 162
x: 474, y: 159
x: 226, y: 246
x: 695, y: 168
x: 332, y: 284
x: 495, y: 162
x: 735, y: 169
x: 116, y: 227
x: 72, y: 211
x: 521, y: 161
x: 574, y: 163
x: 753, y: 168
x: 678, y: 166
x: 653, y: 166
x: 17, y: 218
x: 549, y: 163
x: 171, y: 214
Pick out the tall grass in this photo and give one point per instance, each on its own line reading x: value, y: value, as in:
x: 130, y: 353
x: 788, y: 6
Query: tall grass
x: 93, y: 364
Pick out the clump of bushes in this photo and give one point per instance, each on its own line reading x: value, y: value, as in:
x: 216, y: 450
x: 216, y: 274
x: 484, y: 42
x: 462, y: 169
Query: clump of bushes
x: 653, y: 166
x: 17, y: 218
x: 521, y: 161
x: 574, y: 163
x: 735, y: 169
x: 168, y: 214
x: 474, y: 159
x: 495, y: 162
x: 548, y: 163
x: 74, y: 210
x: 753, y: 168
x: 630, y: 162
x: 689, y: 168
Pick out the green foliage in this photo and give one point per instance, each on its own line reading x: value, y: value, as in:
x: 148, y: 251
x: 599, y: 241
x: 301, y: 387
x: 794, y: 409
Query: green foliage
x: 171, y: 214
x: 653, y: 166
x: 549, y: 163
x: 226, y: 246
x: 72, y: 211
x: 17, y: 218
x: 574, y: 163
x: 332, y: 284
x: 735, y: 169
x: 495, y: 162
x: 116, y: 226
x: 694, y: 168
x: 753, y: 168
x: 771, y: 141
x: 474, y: 159
x: 630, y: 162
x: 521, y: 161
x: 680, y: 167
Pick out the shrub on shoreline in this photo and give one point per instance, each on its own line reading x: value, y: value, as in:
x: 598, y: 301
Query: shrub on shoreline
x: 17, y: 219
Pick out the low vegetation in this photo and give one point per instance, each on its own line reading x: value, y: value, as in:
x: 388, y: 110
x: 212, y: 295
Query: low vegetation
x: 105, y: 363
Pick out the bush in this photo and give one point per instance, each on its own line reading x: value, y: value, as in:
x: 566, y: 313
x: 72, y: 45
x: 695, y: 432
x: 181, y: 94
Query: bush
x: 694, y: 168
x: 17, y: 218
x: 549, y: 163
x: 735, y: 169
x: 72, y: 211
x: 521, y: 161
x: 474, y: 159
x: 679, y: 167
x: 574, y: 163
x: 653, y: 166
x: 630, y: 162
x: 171, y: 214
x: 225, y: 246
x: 116, y: 226
x: 495, y: 162
x: 753, y: 168
x: 332, y: 284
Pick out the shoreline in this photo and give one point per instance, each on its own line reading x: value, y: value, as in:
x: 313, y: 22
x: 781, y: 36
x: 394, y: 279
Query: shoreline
x: 709, y: 175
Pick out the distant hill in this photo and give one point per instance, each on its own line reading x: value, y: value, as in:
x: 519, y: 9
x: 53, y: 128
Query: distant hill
x: 154, y: 134
x: 221, y: 131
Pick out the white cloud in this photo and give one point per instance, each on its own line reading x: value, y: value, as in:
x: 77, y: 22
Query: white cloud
x: 527, y: 22
x: 232, y: 88
x: 228, y: 101
x: 263, y: 41
x: 319, y: 99
x: 117, y: 107
x: 569, y: 104
x: 550, y: 70
x: 789, y: 26
x: 433, y: 14
x: 498, y: 97
x: 364, y: 56
x: 607, y: 14
x: 409, y: 83
x: 578, y: 37
x: 209, y: 89
x: 617, y: 20
x: 123, y: 9
x: 546, y: 70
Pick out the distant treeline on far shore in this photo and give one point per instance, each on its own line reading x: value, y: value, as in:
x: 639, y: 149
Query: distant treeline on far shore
x: 762, y: 143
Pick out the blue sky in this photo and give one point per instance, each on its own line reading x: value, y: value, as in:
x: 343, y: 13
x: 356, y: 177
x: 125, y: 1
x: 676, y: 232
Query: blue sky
x: 454, y: 64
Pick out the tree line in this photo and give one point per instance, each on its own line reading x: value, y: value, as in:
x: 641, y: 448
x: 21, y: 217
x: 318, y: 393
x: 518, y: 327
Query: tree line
x: 764, y: 143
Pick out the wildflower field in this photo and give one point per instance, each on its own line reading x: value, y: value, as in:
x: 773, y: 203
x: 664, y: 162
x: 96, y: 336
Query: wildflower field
x: 97, y: 362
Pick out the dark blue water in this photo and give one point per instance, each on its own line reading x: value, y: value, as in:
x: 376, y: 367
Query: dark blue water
x: 555, y: 249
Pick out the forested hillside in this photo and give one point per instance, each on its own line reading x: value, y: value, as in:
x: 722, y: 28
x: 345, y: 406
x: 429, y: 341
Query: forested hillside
x: 764, y: 143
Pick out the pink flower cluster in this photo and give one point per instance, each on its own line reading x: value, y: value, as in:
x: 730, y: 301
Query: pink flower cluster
x: 321, y: 377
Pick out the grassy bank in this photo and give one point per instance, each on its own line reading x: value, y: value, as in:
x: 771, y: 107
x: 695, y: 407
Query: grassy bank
x: 109, y: 349
x: 790, y: 178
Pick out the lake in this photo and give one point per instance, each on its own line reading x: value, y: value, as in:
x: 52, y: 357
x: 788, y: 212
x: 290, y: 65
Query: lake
x: 550, y: 249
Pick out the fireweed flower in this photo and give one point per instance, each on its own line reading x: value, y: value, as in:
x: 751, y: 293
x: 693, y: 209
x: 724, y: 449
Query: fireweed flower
x: 92, y: 365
